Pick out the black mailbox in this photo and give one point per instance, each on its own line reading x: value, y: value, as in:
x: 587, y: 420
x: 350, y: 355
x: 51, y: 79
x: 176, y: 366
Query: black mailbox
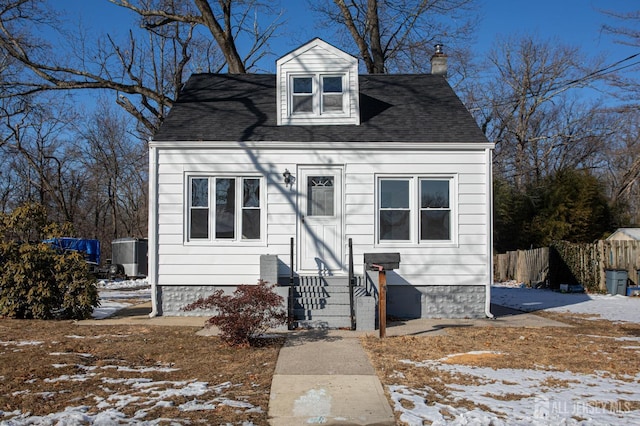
x: 386, y: 261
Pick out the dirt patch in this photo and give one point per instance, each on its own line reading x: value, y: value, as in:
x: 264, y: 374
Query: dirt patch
x: 471, y: 358
x: 594, y: 347
x: 143, y: 372
x: 586, y: 346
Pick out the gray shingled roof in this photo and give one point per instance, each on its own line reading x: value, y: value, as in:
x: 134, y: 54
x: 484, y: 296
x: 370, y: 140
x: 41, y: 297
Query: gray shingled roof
x: 393, y: 108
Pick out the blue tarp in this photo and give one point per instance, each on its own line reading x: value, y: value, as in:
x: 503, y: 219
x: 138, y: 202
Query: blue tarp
x: 89, y: 248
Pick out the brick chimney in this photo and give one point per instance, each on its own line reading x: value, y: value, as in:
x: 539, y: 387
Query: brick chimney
x: 439, y: 62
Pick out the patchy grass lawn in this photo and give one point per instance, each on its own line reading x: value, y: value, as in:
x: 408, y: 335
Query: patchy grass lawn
x: 55, y: 370
x: 502, y: 373
x: 130, y: 374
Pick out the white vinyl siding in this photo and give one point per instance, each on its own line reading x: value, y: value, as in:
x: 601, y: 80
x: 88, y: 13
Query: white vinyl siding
x: 463, y: 261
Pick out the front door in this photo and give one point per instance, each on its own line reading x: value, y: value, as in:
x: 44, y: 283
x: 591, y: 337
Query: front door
x: 320, y: 248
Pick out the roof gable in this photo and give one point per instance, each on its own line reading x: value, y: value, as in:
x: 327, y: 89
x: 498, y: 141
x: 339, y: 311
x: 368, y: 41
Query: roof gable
x: 317, y: 48
x: 625, y: 234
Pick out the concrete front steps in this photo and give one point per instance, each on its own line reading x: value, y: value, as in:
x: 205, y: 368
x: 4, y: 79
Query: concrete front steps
x: 323, y: 302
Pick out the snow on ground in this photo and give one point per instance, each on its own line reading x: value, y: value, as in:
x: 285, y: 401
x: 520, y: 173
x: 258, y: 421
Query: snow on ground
x: 118, y: 294
x: 142, y: 391
x: 612, y: 308
x: 525, y: 397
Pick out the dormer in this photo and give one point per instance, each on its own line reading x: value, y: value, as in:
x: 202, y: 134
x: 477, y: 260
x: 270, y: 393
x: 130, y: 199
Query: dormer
x: 317, y: 84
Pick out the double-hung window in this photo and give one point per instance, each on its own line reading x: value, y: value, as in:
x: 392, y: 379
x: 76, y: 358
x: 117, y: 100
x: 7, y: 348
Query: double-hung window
x: 302, y: 95
x: 435, y: 210
x: 415, y: 209
x: 224, y: 208
x: 395, y: 209
x: 318, y: 94
x: 332, y: 94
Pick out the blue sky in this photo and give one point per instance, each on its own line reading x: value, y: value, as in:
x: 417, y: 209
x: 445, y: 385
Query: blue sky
x: 574, y: 22
x: 569, y: 21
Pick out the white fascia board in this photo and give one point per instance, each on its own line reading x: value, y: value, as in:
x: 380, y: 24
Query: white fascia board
x: 328, y: 145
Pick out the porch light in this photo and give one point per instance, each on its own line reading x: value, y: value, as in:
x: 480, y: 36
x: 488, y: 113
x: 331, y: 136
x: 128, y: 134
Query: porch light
x: 287, y: 177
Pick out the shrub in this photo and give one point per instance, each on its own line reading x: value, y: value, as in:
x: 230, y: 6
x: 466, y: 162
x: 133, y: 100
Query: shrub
x: 245, y: 315
x: 35, y: 281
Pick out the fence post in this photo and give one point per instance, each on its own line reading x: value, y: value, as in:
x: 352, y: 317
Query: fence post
x: 602, y: 275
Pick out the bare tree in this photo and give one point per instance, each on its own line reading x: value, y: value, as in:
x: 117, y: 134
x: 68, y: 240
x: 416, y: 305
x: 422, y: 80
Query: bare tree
x: 39, y: 161
x: 147, y: 68
x: 628, y: 32
x: 623, y: 76
x: 117, y: 161
x: 625, y: 171
x: 224, y: 31
x: 399, y: 35
x: 622, y: 159
x: 531, y: 113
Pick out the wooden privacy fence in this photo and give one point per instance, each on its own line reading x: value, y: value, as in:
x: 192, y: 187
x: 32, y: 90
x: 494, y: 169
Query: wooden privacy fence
x: 569, y: 263
x: 526, y: 266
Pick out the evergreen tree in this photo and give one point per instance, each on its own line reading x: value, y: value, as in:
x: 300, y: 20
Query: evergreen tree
x: 570, y: 206
x: 36, y: 281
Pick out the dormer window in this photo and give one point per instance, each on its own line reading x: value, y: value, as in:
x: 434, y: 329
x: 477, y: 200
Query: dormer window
x: 302, y: 96
x: 317, y: 95
x: 317, y: 84
x: 332, y: 94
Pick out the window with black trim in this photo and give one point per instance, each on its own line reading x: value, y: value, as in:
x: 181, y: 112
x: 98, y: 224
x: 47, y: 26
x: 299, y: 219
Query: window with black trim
x: 414, y: 209
x: 225, y: 208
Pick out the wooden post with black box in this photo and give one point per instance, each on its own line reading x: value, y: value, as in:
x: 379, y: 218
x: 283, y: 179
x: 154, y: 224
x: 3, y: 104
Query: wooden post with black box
x: 382, y: 262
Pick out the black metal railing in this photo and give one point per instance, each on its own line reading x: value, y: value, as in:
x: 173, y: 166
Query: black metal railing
x: 351, y: 285
x: 290, y: 319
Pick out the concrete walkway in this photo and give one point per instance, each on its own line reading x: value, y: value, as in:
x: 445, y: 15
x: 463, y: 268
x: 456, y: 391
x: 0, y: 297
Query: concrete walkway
x: 325, y: 376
